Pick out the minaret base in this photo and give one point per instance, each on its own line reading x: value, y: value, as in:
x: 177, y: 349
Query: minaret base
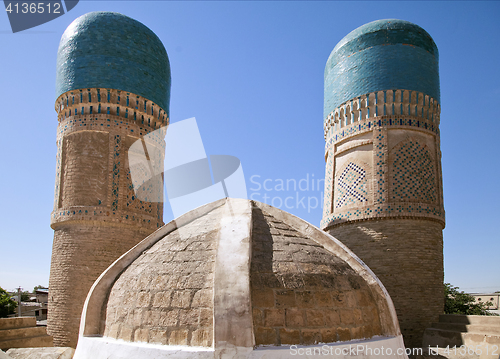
x: 407, y: 256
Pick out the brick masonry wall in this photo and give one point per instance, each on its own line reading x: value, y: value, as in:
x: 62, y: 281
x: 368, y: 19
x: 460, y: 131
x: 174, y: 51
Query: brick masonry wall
x: 97, y: 216
x: 407, y: 256
x: 166, y: 295
x: 303, y: 294
x: 74, y: 191
x: 79, y: 255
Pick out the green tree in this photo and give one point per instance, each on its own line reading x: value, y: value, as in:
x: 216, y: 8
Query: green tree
x: 7, y: 305
x: 25, y: 296
x: 459, y: 302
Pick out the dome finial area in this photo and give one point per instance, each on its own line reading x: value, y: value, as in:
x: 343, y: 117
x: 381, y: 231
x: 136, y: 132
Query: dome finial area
x: 111, y: 50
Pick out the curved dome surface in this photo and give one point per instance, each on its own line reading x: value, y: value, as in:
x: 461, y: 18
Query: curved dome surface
x: 111, y: 50
x: 381, y: 55
x: 229, y: 276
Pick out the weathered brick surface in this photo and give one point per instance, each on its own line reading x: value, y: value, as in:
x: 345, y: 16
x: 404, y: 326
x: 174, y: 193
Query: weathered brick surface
x: 166, y: 295
x: 97, y: 216
x: 407, y: 256
x: 74, y: 191
x: 302, y: 293
x: 79, y: 255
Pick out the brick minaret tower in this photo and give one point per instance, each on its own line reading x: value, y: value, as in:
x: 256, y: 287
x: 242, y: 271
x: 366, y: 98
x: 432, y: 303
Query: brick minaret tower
x: 113, y: 88
x: 383, y: 185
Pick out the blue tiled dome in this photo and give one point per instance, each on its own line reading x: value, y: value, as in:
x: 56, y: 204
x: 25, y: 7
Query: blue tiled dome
x: 111, y: 50
x: 381, y: 55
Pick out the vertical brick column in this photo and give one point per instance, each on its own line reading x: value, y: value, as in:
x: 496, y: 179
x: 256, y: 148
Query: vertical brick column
x: 381, y: 122
x: 97, y: 216
x: 385, y: 203
x: 112, y: 89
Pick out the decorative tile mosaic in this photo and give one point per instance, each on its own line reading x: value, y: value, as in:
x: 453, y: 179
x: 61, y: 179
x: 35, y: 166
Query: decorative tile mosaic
x: 380, y: 164
x: 116, y: 173
x: 351, y: 186
x: 135, y: 204
x: 404, y: 180
x: 58, y: 173
x: 146, y: 215
x: 412, y: 173
x: 405, y: 210
x: 385, y: 121
x: 100, y: 214
x: 111, y: 123
x: 327, y: 208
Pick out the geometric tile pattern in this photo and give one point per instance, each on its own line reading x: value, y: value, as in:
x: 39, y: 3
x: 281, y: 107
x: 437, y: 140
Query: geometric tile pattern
x: 395, y: 121
x: 132, y: 202
x: 58, y: 172
x: 402, y: 183
x: 405, y: 210
x: 327, y: 207
x: 116, y: 173
x: 412, y: 173
x: 380, y: 164
x: 351, y: 186
x: 415, y: 198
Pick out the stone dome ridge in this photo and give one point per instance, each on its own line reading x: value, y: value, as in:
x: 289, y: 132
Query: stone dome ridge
x: 113, y: 51
x: 235, y: 266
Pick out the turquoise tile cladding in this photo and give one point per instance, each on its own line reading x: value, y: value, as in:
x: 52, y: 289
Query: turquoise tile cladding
x: 111, y: 50
x: 381, y: 55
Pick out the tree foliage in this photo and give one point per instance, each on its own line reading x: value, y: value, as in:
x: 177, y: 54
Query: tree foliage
x: 459, y: 302
x: 38, y: 287
x: 25, y: 296
x: 7, y: 305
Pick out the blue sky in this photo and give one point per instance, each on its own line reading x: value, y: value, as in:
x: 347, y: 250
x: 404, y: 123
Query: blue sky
x: 252, y: 75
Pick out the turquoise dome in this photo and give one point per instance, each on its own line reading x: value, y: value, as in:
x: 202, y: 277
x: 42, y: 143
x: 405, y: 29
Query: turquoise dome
x: 381, y: 55
x: 111, y: 50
